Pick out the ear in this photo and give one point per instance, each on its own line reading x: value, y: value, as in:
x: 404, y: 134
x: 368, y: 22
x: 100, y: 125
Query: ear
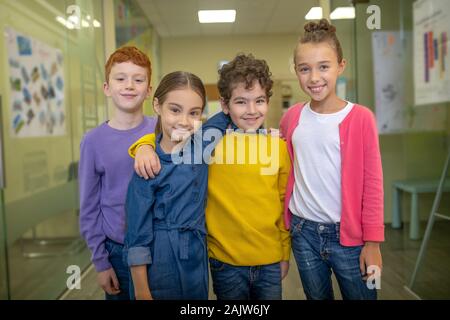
x: 106, y: 89
x: 224, y: 106
x: 156, y: 106
x: 342, y: 65
x: 149, y: 92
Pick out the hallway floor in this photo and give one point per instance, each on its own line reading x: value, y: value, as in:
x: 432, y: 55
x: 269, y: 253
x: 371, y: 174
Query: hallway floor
x: 399, y: 256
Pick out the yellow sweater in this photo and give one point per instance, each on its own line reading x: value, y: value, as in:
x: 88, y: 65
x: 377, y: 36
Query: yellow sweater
x: 246, y: 187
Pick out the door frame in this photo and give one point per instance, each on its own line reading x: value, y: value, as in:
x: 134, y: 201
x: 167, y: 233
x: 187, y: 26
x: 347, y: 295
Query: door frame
x: 4, y: 278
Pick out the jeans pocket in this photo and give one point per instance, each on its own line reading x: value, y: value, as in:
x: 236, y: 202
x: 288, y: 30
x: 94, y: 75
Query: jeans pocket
x: 296, y: 227
x: 216, y: 265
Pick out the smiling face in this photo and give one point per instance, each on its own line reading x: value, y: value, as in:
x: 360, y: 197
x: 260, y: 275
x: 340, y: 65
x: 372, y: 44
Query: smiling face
x: 128, y: 86
x: 247, y: 107
x: 180, y: 114
x: 317, y: 70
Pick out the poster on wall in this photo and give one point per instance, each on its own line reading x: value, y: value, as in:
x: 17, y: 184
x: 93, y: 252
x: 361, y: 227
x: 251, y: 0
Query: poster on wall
x: 36, y: 79
x: 394, y: 112
x: 431, y: 51
x: 388, y: 76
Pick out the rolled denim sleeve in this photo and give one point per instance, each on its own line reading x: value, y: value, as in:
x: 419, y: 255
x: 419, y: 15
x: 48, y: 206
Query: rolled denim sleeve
x: 138, y: 256
x: 139, y: 218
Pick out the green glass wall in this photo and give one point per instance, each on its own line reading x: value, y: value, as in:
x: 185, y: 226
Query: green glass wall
x: 416, y: 152
x: 39, y: 233
x: 132, y: 28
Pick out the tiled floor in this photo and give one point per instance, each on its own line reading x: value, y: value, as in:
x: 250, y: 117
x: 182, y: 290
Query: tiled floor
x: 399, y: 254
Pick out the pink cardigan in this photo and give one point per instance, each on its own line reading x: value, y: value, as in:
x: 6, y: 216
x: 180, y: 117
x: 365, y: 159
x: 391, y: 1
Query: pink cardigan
x: 362, y: 175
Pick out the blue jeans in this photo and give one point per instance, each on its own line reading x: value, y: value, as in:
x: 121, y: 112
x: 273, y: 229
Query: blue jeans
x: 318, y: 252
x: 246, y: 283
x: 120, y: 268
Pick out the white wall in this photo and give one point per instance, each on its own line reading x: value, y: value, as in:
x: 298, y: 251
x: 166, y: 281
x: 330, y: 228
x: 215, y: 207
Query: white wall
x: 200, y: 55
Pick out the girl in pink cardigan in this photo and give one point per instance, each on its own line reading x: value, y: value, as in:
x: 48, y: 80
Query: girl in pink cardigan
x: 334, y: 196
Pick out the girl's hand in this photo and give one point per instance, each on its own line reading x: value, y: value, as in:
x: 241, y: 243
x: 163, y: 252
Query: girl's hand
x: 108, y: 281
x: 370, y: 256
x: 146, y: 162
x: 284, y: 266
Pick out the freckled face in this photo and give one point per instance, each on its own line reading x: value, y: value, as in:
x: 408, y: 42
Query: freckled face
x: 128, y: 86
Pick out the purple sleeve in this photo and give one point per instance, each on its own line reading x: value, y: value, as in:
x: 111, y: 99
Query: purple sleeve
x: 90, y: 215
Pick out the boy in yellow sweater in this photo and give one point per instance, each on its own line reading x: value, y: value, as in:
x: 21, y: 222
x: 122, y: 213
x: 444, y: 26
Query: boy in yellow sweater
x: 248, y: 244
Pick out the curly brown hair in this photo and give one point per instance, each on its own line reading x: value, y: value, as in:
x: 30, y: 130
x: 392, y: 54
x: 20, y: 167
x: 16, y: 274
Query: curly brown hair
x: 321, y: 31
x: 244, y: 69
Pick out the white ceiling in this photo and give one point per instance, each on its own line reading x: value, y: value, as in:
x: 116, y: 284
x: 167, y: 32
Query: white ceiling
x: 175, y: 18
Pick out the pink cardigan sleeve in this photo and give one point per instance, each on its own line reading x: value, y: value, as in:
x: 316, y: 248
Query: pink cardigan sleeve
x: 284, y: 124
x: 372, y: 203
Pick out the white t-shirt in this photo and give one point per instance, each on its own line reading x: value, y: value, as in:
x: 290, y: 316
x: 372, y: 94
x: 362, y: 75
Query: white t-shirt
x: 317, y: 165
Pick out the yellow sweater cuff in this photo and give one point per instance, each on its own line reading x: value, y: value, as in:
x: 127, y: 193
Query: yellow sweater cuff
x: 148, y: 139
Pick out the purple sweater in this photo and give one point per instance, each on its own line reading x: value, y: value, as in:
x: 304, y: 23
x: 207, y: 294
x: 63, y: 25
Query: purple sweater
x: 104, y: 173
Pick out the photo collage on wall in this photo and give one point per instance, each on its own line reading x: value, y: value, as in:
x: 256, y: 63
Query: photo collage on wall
x: 36, y: 76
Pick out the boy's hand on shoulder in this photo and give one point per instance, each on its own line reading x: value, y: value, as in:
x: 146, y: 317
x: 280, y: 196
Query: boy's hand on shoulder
x: 370, y: 256
x: 146, y: 162
x: 274, y: 132
x: 108, y: 281
x: 284, y: 266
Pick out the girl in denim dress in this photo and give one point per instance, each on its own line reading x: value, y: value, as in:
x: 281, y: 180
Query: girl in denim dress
x: 165, y: 243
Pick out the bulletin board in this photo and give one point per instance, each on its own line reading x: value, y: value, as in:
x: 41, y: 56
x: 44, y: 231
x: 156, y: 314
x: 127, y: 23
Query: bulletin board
x: 388, y: 75
x: 36, y: 77
x: 431, y: 51
x: 394, y: 113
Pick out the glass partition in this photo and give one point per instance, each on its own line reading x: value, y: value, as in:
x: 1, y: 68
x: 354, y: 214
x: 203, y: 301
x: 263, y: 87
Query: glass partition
x: 413, y: 136
x: 51, y: 93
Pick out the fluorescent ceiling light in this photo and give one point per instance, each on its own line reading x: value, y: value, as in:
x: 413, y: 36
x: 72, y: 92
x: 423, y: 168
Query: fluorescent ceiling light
x: 315, y: 13
x: 74, y: 20
x: 69, y: 25
x: 216, y: 16
x: 343, y: 13
x: 96, y: 24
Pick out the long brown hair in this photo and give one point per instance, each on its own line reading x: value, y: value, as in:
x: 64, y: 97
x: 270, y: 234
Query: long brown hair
x: 175, y: 81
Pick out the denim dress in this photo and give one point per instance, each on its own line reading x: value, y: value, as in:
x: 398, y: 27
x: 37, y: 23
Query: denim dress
x: 166, y: 220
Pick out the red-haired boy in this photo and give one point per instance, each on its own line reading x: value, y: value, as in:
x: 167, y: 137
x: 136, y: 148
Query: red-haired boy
x: 105, y: 167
